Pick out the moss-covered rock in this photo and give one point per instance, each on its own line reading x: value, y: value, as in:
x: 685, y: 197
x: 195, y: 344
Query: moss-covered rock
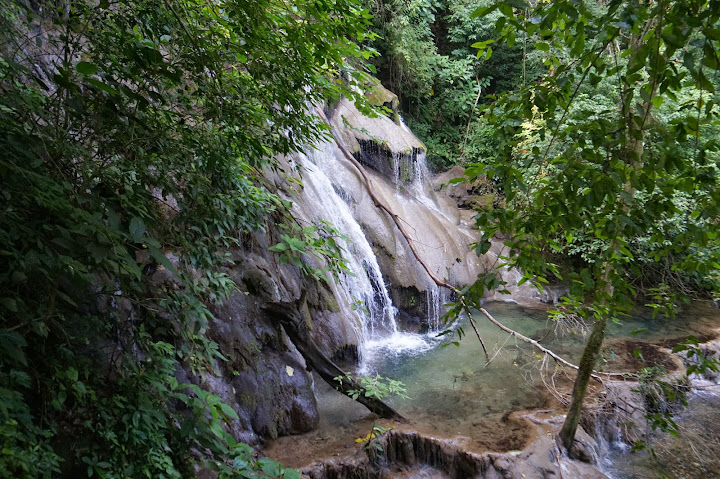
x: 379, y: 143
x: 380, y: 96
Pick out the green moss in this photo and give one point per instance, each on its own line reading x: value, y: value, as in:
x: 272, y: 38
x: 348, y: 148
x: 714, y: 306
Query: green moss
x: 378, y: 95
x: 247, y: 400
x: 406, y: 169
x: 484, y: 202
x: 330, y: 302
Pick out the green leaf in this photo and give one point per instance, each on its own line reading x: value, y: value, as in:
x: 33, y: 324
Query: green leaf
x: 291, y: 474
x: 85, y: 68
x: 160, y: 257
x: 483, y: 246
x: 79, y: 387
x: 216, y: 429
x: 587, y: 279
x: 137, y: 229
x: 278, y: 248
x: 521, y: 4
x: 10, y: 304
x: 657, y: 101
x: 11, y: 345
x: 269, y: 467
x: 230, y: 412
x: 102, y: 86
x: 482, y: 11
x: 66, y: 298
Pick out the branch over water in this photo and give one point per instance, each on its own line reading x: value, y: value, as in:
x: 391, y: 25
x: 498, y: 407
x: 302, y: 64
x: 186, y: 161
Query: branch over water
x: 379, y: 203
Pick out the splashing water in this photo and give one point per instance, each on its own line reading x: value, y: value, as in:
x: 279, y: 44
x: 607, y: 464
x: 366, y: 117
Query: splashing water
x: 365, y: 285
x: 378, y: 329
x: 436, y: 298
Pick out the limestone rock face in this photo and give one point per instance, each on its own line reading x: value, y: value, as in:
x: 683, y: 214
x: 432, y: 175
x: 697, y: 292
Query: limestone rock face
x: 378, y: 143
x: 438, y: 215
x: 476, y: 195
x: 266, y: 376
x: 380, y: 96
x: 438, y: 236
x: 265, y: 379
x: 404, y: 451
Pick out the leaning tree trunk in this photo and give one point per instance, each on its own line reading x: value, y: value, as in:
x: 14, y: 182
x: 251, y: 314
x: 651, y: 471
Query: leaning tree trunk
x: 633, y: 156
x: 287, y: 314
x: 585, y: 370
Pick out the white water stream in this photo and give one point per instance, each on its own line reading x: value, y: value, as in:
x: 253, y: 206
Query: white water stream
x: 365, y: 286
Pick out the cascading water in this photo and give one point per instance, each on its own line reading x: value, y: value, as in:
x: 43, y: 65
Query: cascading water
x: 365, y: 286
x: 411, y: 171
x: 414, y: 173
x: 436, y: 298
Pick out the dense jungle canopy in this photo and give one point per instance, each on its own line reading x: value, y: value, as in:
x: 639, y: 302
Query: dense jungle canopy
x: 142, y: 128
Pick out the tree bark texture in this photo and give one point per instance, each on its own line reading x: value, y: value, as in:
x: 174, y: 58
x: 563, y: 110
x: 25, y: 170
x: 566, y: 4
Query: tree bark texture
x: 288, y: 316
x: 585, y: 370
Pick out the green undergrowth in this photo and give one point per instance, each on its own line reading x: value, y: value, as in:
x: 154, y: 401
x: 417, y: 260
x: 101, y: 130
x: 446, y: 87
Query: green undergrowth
x: 133, y: 138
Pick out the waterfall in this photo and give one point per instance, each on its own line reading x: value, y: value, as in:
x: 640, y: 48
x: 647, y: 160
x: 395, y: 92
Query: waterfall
x: 365, y: 285
x: 436, y: 298
x: 411, y: 171
x: 412, y: 175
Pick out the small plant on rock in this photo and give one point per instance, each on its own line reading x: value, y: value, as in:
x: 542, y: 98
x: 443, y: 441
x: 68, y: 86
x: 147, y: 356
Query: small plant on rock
x: 377, y: 387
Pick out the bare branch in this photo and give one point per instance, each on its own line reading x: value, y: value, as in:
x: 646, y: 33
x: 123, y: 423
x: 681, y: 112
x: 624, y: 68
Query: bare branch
x: 397, y: 220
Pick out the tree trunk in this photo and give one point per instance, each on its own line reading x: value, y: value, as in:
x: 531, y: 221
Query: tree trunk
x: 587, y: 363
x: 633, y: 156
x: 288, y: 316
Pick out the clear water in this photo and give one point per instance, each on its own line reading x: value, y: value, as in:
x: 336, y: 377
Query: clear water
x: 452, y: 391
x: 453, y: 395
x: 455, y: 378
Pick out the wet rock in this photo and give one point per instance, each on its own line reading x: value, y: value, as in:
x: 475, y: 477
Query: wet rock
x: 410, y: 323
x: 265, y: 379
x: 401, y: 451
x: 710, y: 351
x: 347, y: 354
x: 582, y: 451
x: 440, y: 242
x: 378, y: 143
x: 411, y: 301
x: 380, y: 96
x: 343, y: 469
x: 477, y: 195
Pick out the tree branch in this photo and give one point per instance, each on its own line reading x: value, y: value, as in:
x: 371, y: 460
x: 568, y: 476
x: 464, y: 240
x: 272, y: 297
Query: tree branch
x: 396, y: 219
x: 287, y: 314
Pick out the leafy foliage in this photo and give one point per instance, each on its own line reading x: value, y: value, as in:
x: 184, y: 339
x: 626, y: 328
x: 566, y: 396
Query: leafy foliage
x: 133, y: 137
x: 699, y: 363
x: 614, y: 173
x: 377, y: 387
x: 427, y: 58
x: 583, y: 172
x: 322, y: 241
